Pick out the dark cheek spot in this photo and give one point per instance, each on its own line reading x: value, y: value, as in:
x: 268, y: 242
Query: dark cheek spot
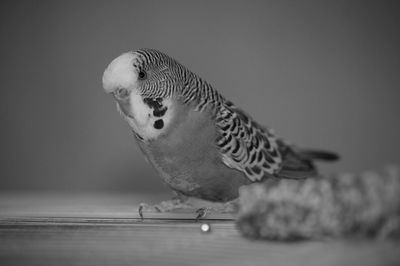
x: 156, y: 104
x: 153, y: 103
x: 158, y: 124
x: 160, y: 112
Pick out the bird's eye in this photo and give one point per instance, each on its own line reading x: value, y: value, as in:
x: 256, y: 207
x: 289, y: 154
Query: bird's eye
x: 142, y: 74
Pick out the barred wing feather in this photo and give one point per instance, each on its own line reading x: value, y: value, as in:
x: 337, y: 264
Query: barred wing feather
x: 245, y: 145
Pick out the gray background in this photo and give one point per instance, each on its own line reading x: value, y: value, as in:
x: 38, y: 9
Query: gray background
x: 324, y: 74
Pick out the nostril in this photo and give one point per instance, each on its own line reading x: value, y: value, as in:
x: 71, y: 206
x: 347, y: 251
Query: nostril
x: 121, y: 93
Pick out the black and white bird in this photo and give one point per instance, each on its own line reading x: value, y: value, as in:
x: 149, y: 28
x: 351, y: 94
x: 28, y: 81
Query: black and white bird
x: 200, y: 143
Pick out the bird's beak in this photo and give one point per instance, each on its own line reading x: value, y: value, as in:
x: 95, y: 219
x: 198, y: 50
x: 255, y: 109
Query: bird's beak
x: 120, y: 80
x: 124, y: 105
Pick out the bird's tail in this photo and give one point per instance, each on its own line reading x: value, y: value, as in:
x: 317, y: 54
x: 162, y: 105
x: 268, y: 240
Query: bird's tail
x: 298, y: 163
x: 319, y: 155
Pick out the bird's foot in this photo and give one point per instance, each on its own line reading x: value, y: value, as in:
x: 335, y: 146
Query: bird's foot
x: 144, y: 207
x: 164, y: 206
x: 201, y: 208
x: 202, y: 213
x: 228, y: 207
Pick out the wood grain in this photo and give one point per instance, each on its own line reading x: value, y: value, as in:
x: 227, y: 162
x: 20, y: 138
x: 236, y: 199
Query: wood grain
x: 50, y: 229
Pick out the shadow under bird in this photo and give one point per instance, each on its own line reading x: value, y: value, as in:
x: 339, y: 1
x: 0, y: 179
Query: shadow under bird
x: 200, y: 143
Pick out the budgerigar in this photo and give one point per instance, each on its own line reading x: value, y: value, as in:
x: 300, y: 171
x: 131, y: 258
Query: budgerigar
x: 201, y: 144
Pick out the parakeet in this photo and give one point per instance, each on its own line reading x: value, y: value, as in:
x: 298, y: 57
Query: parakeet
x: 200, y: 143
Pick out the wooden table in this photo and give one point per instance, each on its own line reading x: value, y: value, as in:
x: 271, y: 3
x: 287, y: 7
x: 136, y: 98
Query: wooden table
x: 105, y: 229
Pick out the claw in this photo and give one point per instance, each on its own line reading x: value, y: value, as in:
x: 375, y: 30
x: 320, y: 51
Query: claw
x: 201, y: 213
x: 143, y: 207
x: 140, y: 210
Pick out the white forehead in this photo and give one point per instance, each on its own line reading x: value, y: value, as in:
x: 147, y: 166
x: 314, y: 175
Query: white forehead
x: 120, y: 73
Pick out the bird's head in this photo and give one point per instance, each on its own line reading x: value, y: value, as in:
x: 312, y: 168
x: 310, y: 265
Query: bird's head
x: 147, y: 72
x: 143, y: 83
